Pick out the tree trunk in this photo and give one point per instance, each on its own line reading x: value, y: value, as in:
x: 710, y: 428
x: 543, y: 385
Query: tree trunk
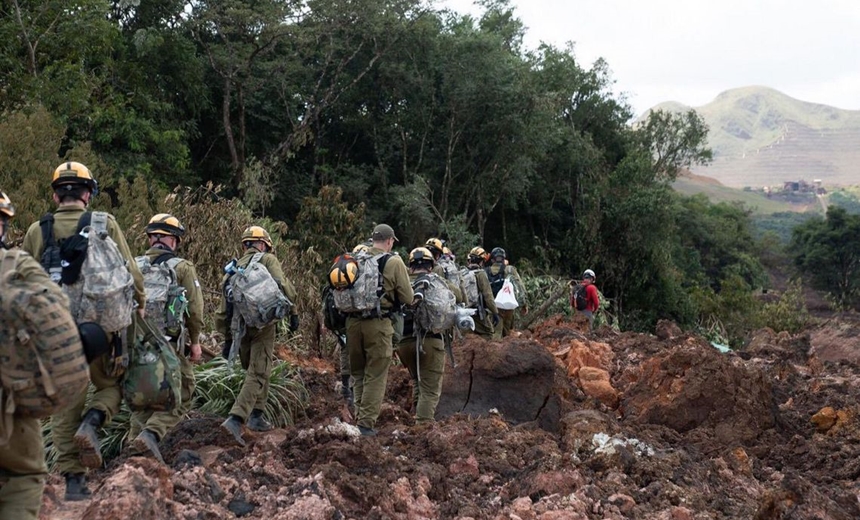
x: 537, y: 313
x: 228, y: 131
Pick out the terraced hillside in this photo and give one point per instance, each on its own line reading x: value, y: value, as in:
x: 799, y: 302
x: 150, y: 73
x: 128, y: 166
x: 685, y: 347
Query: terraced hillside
x: 761, y: 137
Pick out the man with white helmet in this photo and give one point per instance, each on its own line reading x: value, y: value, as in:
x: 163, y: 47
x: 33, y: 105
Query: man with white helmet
x: 584, y: 297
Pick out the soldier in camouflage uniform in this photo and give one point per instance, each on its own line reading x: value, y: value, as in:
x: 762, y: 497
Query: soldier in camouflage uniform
x: 485, y: 327
x: 497, y: 271
x: 75, y: 433
x: 257, y: 345
x: 428, y: 366
x: 369, y: 339
x: 438, y: 249
x: 22, y: 460
x: 147, y: 427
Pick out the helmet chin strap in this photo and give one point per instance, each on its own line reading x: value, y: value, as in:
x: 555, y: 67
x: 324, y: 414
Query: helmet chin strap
x: 161, y: 245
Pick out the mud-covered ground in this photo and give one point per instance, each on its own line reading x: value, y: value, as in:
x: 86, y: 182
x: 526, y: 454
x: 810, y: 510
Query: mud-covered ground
x: 551, y: 424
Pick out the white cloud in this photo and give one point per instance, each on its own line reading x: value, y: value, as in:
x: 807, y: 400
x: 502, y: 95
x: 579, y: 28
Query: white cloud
x: 661, y: 50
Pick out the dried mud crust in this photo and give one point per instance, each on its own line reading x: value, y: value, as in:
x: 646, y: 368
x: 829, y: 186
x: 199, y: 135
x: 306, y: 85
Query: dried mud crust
x: 694, y: 434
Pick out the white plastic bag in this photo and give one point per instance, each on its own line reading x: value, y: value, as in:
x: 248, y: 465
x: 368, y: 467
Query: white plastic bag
x: 506, y: 299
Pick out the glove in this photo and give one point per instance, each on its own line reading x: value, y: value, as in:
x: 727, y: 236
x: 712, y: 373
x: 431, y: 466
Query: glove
x: 495, y: 319
x: 294, y: 322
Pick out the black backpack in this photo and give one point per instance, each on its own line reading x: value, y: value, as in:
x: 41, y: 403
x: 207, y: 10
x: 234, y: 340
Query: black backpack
x: 62, y: 260
x: 496, y: 280
x: 580, y: 300
x: 333, y: 319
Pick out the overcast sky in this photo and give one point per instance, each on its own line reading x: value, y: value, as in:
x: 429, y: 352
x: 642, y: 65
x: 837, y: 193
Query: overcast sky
x: 691, y: 50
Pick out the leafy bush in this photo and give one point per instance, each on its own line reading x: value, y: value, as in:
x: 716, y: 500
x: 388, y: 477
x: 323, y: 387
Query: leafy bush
x: 789, y: 313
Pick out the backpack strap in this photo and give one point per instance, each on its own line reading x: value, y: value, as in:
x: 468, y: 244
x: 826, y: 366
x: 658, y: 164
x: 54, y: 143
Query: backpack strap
x: 379, y: 281
x: 166, y: 256
x: 9, y: 261
x: 256, y: 258
x: 98, y: 221
x: 46, y: 223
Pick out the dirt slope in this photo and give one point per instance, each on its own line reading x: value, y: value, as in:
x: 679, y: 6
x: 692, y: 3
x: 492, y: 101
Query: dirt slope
x: 549, y: 425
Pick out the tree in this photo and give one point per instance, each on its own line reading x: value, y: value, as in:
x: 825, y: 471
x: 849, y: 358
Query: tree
x: 827, y: 252
x: 675, y: 140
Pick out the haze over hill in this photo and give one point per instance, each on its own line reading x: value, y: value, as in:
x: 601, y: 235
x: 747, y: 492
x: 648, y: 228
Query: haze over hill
x: 762, y: 137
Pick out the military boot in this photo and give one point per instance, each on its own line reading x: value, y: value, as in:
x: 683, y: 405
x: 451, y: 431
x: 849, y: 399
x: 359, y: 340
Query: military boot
x: 233, y: 424
x: 76, y: 487
x: 258, y: 423
x: 147, y: 440
x: 87, y: 438
x: 346, y: 391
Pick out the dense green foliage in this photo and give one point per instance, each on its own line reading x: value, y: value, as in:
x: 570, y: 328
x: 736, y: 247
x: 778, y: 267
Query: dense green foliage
x: 846, y: 199
x: 327, y: 116
x: 827, y: 252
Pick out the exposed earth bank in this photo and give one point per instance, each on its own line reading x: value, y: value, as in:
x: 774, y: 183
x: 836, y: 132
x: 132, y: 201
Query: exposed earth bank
x: 551, y: 424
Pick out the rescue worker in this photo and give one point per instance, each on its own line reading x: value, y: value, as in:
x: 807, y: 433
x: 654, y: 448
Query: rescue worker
x: 428, y: 365
x: 257, y: 345
x: 486, y: 326
x: 22, y: 460
x: 346, y: 390
x: 165, y: 233
x: 75, y: 431
x: 592, y: 298
x: 497, y: 272
x: 437, y: 248
x: 369, y: 339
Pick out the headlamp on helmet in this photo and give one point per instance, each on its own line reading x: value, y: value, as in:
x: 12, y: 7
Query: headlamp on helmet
x: 421, y: 256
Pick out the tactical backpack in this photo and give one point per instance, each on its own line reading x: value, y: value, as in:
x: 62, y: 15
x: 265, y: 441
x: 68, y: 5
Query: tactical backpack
x: 496, y: 280
x: 257, y: 296
x: 43, y: 368
x: 469, y: 287
x: 166, y: 299
x: 437, y: 310
x: 579, y: 298
x: 363, y: 296
x: 333, y: 319
x: 96, y: 277
x: 153, y: 381
x: 450, y: 269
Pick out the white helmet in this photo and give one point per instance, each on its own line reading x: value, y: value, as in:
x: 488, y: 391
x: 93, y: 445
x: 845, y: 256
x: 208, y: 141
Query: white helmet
x: 588, y: 274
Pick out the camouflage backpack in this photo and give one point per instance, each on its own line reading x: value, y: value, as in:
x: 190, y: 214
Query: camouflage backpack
x: 469, y: 287
x: 153, y: 379
x: 104, y: 290
x: 166, y: 301
x: 363, y: 296
x: 43, y: 368
x: 450, y: 269
x: 257, y: 296
x: 437, y: 311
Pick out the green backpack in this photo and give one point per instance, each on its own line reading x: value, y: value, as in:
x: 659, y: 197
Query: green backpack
x: 153, y: 380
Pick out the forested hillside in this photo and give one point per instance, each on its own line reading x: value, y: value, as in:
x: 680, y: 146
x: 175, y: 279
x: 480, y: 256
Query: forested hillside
x: 327, y: 116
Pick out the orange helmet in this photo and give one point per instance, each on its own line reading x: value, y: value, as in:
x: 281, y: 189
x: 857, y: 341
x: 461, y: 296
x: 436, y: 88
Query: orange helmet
x: 71, y: 174
x: 478, y: 254
x: 434, y: 245
x: 343, y: 272
x: 165, y: 224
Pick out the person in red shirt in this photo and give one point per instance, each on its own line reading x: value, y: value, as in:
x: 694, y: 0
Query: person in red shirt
x: 591, y: 297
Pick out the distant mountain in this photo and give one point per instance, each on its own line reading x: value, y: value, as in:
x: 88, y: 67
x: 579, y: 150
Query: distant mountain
x: 762, y: 137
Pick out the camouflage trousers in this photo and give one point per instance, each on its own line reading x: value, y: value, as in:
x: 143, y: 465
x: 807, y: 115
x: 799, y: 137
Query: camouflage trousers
x: 21, y: 497
x: 106, y: 398
x: 161, y: 422
x: 255, y: 353
x: 370, y: 351
x: 426, y: 369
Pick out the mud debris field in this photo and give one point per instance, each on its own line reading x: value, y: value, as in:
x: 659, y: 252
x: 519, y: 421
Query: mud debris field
x: 549, y: 425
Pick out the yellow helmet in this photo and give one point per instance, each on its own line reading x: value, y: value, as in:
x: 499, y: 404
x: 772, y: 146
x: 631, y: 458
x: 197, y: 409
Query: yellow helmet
x: 446, y: 251
x: 165, y: 224
x: 360, y: 248
x: 421, y: 255
x: 478, y: 253
x: 434, y: 245
x: 343, y: 272
x: 71, y: 174
x: 6, y: 207
x: 255, y: 233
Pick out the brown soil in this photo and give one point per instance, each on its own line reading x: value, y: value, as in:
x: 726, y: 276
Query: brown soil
x: 551, y: 424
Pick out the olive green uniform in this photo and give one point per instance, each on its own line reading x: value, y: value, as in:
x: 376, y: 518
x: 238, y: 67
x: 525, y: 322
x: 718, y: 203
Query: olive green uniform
x: 103, y: 371
x: 506, y: 325
x: 22, y: 460
x: 160, y: 422
x: 369, y: 341
x: 484, y: 327
x: 258, y: 345
x: 426, y: 367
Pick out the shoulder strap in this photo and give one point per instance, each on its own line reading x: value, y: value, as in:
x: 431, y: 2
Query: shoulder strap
x: 379, y: 280
x: 98, y: 221
x: 173, y: 262
x: 255, y: 259
x: 47, y: 225
x: 165, y: 257
x: 9, y: 262
x: 84, y: 221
